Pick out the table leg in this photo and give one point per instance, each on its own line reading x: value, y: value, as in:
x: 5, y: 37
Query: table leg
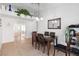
x: 66, y: 52
x: 48, y: 47
x: 32, y: 43
x: 69, y: 50
x: 54, y: 51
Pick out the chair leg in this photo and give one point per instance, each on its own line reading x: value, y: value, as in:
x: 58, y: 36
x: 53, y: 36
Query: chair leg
x: 35, y: 45
x: 54, y: 52
x: 41, y: 46
x: 32, y: 43
x: 38, y: 46
x: 44, y: 49
x: 66, y: 52
x: 69, y: 52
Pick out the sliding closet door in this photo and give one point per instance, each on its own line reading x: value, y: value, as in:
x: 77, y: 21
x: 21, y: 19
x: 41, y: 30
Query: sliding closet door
x: 24, y: 29
x: 17, y: 32
x: 20, y: 30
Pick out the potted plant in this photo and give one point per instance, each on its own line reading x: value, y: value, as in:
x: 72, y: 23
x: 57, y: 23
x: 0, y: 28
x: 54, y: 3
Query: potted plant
x: 22, y: 12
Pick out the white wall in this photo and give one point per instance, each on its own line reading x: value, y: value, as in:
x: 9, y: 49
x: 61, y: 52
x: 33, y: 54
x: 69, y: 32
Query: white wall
x: 30, y: 26
x: 69, y: 14
x: 0, y: 32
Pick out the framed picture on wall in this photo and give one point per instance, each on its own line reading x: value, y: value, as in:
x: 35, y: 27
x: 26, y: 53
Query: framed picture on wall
x: 54, y: 23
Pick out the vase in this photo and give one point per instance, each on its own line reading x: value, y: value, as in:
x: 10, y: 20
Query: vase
x: 10, y: 8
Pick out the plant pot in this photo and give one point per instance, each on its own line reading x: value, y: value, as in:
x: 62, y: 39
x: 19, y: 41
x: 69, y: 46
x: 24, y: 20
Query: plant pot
x: 28, y: 17
x: 22, y: 15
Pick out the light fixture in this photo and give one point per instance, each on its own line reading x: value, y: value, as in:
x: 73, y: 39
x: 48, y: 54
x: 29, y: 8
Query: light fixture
x: 55, y: 21
x: 38, y: 18
x: 41, y: 18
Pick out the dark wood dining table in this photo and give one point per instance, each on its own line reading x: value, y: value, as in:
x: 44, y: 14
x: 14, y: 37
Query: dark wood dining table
x: 49, y: 40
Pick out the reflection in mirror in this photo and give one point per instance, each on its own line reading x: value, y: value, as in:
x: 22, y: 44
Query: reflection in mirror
x: 54, y: 23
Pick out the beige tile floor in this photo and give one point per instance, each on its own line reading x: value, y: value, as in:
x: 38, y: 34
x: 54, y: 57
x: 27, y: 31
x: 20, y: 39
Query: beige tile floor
x: 24, y: 48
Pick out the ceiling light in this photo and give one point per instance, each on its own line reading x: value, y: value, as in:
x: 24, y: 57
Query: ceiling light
x: 41, y: 18
x: 37, y: 19
x: 55, y: 21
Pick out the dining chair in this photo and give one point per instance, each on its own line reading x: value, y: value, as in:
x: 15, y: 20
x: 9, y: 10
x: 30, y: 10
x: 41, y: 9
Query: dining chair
x: 46, y: 33
x: 34, y: 39
x: 52, y: 34
x: 56, y: 46
x: 41, y: 42
x: 53, y: 37
x: 54, y: 40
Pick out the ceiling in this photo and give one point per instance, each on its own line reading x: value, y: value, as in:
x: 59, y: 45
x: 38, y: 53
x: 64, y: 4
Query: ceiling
x: 34, y: 8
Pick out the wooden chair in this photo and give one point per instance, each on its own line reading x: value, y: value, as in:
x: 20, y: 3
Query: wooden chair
x: 54, y: 37
x: 34, y: 39
x: 41, y: 42
x: 46, y: 33
x: 58, y: 47
x: 52, y: 34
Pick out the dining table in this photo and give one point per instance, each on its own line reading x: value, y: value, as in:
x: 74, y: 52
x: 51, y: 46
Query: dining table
x: 48, y: 39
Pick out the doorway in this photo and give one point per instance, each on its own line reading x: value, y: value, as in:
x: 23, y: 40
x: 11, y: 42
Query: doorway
x: 19, y: 32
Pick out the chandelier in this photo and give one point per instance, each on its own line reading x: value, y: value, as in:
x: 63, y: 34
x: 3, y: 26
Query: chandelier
x: 38, y: 18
